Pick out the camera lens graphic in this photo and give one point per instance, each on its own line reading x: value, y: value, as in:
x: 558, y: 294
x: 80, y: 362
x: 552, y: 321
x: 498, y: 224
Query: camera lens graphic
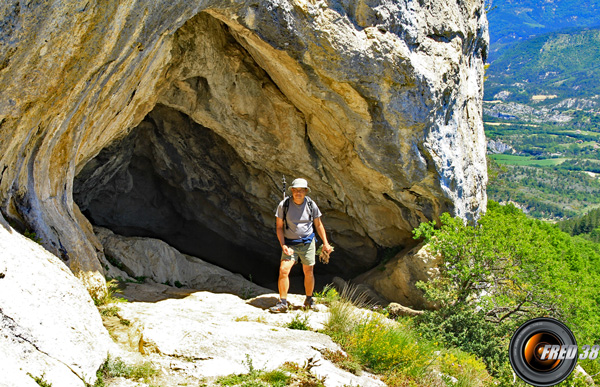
x: 527, y: 347
x: 534, y: 348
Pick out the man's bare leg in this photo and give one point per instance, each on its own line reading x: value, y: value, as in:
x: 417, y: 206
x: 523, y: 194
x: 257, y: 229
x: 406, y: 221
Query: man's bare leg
x: 284, y: 280
x: 309, y: 279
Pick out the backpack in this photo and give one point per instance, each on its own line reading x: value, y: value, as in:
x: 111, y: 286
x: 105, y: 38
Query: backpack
x: 286, y: 206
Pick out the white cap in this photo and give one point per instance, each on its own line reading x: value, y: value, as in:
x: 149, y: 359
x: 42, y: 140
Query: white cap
x: 300, y: 183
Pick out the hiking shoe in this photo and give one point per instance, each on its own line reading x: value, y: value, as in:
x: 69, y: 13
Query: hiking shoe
x: 309, y: 303
x: 280, y: 307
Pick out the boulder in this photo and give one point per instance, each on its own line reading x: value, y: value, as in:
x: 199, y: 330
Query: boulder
x: 396, y: 280
x: 49, y: 326
x: 397, y: 310
x: 155, y: 260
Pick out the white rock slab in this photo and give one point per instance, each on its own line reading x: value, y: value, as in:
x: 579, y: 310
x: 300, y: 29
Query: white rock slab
x: 49, y: 325
x: 211, y: 335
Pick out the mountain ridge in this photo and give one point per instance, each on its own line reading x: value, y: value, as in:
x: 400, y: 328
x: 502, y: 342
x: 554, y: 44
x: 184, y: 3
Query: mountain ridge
x: 513, y: 21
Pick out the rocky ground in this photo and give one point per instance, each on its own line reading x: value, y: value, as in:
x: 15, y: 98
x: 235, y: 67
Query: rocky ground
x: 193, y: 337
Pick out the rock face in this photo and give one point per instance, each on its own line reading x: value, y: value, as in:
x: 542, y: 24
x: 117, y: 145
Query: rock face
x: 377, y: 103
x: 396, y: 280
x: 155, y: 260
x: 49, y: 325
x: 513, y: 110
x: 497, y: 147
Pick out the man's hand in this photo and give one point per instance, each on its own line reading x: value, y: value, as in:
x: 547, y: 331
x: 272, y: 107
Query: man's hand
x: 287, y: 250
x: 326, y: 249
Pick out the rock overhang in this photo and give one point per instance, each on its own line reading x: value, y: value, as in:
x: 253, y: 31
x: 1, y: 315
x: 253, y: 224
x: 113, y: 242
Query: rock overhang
x: 356, y: 91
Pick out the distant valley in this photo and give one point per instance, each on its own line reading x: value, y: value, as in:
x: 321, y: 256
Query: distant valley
x: 542, y: 120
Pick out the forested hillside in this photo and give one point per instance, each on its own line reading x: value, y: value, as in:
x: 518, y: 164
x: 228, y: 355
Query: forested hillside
x: 588, y: 226
x: 562, y: 65
x: 542, y: 112
x: 513, y: 21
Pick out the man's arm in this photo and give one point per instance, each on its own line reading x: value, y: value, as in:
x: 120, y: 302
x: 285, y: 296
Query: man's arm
x: 321, y: 231
x: 279, y: 226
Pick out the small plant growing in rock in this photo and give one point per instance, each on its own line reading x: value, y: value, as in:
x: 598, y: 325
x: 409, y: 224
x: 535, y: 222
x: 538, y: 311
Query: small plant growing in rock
x: 299, y: 322
x: 114, y: 368
x: 110, y: 311
x: 114, y: 261
x: 289, y: 374
x: 112, y: 287
x: 247, y: 291
x: 33, y: 236
x: 40, y: 380
x: 259, y: 319
x: 343, y: 361
x: 248, y: 363
x: 328, y: 295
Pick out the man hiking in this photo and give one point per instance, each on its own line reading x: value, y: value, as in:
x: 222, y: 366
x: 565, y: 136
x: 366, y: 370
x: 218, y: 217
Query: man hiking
x: 297, y: 219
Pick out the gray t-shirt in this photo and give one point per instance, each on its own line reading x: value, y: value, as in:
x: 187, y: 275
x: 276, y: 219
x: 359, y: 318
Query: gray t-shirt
x: 298, y: 218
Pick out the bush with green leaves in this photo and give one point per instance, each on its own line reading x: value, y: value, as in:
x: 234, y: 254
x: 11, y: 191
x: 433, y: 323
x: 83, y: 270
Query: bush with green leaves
x: 503, y: 271
x: 464, y: 328
x: 397, y: 352
x: 299, y: 322
x: 116, y: 367
x: 328, y: 295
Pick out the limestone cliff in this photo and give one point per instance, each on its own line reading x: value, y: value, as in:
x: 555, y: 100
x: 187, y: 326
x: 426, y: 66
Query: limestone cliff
x: 376, y: 102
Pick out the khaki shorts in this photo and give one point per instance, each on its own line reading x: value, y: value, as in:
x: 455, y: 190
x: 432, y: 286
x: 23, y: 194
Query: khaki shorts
x: 303, y: 252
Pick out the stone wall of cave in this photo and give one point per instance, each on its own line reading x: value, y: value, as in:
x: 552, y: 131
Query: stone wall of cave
x: 178, y: 181
x: 173, y: 179
x: 203, y: 170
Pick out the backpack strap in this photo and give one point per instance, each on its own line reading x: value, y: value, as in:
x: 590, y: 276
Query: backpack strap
x: 286, y: 206
x: 310, y: 208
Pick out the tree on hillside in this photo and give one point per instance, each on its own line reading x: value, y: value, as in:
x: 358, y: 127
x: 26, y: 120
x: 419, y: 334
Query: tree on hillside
x: 502, y: 271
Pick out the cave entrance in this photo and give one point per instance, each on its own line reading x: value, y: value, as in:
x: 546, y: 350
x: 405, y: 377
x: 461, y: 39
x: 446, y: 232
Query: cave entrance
x: 175, y: 180
x: 202, y: 170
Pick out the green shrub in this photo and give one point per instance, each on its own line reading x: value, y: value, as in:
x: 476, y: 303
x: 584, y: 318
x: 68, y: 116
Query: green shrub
x: 512, y: 268
x: 109, y: 311
x: 382, y: 347
x: 395, y: 350
x: 114, y: 261
x: 33, y: 236
x: 276, y: 378
x: 116, y: 367
x: 343, y: 361
x: 502, y: 271
x: 342, y: 318
x: 289, y: 374
x: 112, y: 287
x: 469, y: 330
x: 327, y: 296
x: 234, y: 380
x: 299, y: 322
